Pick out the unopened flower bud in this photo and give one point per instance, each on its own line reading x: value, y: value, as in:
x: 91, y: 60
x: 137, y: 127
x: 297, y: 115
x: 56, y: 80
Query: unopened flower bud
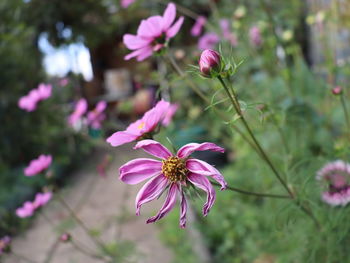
x: 65, y: 237
x: 210, y: 63
x: 337, y: 90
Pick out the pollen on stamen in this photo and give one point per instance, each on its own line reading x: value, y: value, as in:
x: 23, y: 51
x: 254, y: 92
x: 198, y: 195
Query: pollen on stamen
x: 174, y: 169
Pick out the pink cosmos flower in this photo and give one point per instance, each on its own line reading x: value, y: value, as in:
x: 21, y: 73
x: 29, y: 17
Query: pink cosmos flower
x: 80, y: 109
x: 38, y: 165
x: 153, y: 34
x: 126, y: 3
x: 227, y: 34
x: 30, y: 101
x: 5, y: 244
x: 26, y: 210
x: 335, y: 177
x: 209, y: 63
x: 208, y: 41
x: 173, y: 172
x: 255, y: 36
x: 42, y: 199
x: 97, y: 115
x: 143, y: 127
x: 198, y: 26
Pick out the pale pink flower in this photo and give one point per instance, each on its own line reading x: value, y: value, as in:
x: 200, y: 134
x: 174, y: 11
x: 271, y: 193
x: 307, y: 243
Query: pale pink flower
x: 337, y: 90
x: 30, y: 101
x: 80, y: 109
x: 38, y: 165
x: 97, y: 115
x: 226, y: 32
x: 126, y: 3
x: 335, y: 177
x: 5, y: 244
x: 144, y: 126
x: 26, y: 210
x: 208, y: 41
x: 255, y: 36
x: 172, y: 172
x: 42, y: 199
x: 153, y: 34
x: 198, y: 26
x: 63, y: 82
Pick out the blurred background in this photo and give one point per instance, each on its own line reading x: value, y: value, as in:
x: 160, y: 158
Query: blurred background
x: 293, y: 54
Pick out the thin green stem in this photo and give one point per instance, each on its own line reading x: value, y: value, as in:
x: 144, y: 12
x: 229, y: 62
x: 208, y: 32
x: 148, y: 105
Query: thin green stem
x: 265, y: 157
x: 241, y: 191
x: 346, y: 114
x: 281, y: 134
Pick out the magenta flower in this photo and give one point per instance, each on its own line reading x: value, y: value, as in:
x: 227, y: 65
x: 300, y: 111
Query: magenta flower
x: 126, y: 3
x: 97, y: 115
x: 26, y: 210
x: 335, y: 177
x: 30, y: 101
x: 80, y: 109
x: 42, y: 199
x: 38, y: 165
x: 226, y: 32
x: 173, y: 172
x: 255, y: 36
x: 209, y: 62
x: 153, y: 34
x: 5, y: 244
x: 208, y: 41
x: 198, y: 26
x: 144, y: 126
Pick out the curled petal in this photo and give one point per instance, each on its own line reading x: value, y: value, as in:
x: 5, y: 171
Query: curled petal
x: 167, y: 206
x: 188, y: 149
x: 203, y: 183
x: 150, y: 191
x: 169, y: 16
x: 172, y: 31
x: 200, y: 167
x: 121, y: 137
x: 154, y: 148
x: 183, y: 210
x: 138, y: 170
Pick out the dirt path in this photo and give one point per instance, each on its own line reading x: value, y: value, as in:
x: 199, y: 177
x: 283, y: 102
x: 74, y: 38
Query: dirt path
x: 106, y: 205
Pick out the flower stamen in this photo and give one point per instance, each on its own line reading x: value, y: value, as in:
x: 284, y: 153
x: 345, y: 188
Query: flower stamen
x: 174, y: 169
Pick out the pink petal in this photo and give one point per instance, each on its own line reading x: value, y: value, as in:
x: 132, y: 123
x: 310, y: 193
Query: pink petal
x: 167, y: 206
x: 150, y: 28
x: 169, y: 16
x: 203, y: 183
x: 171, y: 32
x: 150, y: 191
x: 142, y: 53
x: 188, y: 149
x: 134, y: 42
x: 121, y: 137
x: 183, y: 210
x: 170, y: 114
x: 200, y: 167
x: 154, y: 148
x: 138, y: 170
x: 147, y: 52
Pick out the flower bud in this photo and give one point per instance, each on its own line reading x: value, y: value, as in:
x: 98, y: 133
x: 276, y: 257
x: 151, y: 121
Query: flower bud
x: 337, y: 90
x: 65, y: 237
x: 209, y: 63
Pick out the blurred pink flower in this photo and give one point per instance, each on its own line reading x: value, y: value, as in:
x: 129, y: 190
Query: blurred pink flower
x: 4, y: 244
x: 144, y: 126
x: 170, y: 114
x: 173, y: 172
x: 337, y: 90
x: 26, y: 210
x: 336, y: 178
x: 126, y: 3
x: 226, y: 32
x: 97, y: 115
x: 208, y: 41
x: 42, y: 199
x: 30, y: 101
x: 80, y: 109
x: 198, y: 26
x: 38, y: 165
x: 255, y: 36
x: 63, y: 82
x: 153, y: 34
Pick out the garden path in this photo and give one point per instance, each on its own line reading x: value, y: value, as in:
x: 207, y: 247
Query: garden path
x: 106, y: 205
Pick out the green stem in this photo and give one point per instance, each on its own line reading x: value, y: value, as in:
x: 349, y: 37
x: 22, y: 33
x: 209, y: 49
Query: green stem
x: 346, y: 114
x: 265, y: 157
x: 241, y: 191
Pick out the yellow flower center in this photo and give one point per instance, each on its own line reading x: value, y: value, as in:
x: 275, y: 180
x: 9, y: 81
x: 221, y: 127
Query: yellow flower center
x: 174, y: 169
x: 141, y: 125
